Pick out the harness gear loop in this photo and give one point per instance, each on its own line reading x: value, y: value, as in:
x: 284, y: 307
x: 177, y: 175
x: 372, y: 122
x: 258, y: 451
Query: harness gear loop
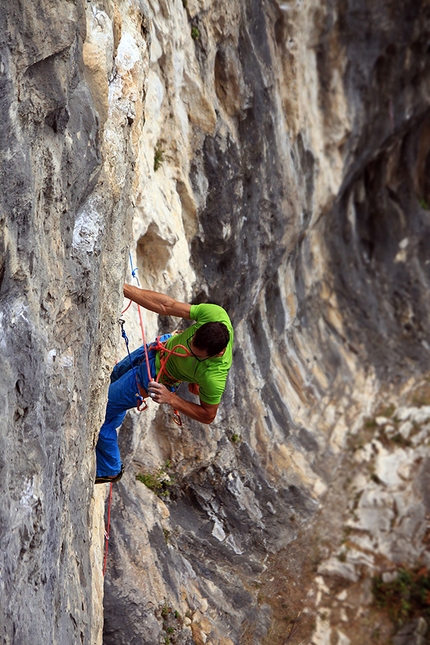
x: 142, y: 406
x: 177, y: 418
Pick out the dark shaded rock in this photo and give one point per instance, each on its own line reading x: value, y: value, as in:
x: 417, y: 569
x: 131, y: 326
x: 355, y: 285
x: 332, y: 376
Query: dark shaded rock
x: 413, y: 633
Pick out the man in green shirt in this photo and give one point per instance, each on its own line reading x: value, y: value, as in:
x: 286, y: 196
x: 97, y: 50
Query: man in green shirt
x: 201, y: 356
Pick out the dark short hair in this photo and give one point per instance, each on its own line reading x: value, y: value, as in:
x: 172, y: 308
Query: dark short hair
x: 212, y: 337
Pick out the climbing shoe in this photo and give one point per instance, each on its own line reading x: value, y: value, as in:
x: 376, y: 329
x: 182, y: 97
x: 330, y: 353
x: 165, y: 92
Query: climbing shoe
x: 110, y: 480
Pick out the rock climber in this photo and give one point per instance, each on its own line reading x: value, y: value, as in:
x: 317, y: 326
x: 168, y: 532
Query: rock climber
x: 203, y: 364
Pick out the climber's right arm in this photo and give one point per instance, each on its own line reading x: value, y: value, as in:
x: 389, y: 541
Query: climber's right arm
x: 157, y: 302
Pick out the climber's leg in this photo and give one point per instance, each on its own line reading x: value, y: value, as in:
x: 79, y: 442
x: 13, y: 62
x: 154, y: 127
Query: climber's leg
x: 121, y: 397
x: 108, y: 458
x: 126, y: 364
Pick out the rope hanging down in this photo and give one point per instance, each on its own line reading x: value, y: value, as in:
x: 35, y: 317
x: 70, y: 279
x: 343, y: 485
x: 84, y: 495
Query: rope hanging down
x: 107, y: 531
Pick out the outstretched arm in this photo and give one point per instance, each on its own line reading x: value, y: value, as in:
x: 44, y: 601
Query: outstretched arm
x: 158, y: 302
x: 203, y: 412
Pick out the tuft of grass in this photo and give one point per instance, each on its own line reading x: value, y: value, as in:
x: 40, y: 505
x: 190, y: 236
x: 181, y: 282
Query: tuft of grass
x: 235, y: 438
x: 150, y: 481
x: 406, y: 597
x: 399, y: 440
x: 195, y: 33
x: 421, y: 395
x: 158, y: 156
x: 172, y: 623
x: 159, y: 482
x: 370, y: 424
x: 387, y: 411
x: 165, y: 611
x: 424, y: 204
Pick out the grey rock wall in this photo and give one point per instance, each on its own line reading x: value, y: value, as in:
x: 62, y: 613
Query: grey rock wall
x: 63, y: 235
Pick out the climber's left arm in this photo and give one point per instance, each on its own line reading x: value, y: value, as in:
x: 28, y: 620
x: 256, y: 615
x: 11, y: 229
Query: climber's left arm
x: 157, y: 302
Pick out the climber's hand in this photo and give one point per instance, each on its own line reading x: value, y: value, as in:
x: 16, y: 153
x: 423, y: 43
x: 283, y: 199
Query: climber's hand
x: 158, y: 392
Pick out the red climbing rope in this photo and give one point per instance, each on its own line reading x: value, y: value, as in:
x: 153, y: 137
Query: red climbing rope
x: 107, y: 530
x: 127, y: 307
x: 165, y: 354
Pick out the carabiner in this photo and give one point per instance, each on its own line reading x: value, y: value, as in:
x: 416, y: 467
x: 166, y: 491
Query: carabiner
x: 176, y: 418
x: 142, y: 405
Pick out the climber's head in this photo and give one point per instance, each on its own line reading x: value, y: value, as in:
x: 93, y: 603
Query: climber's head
x: 211, y: 339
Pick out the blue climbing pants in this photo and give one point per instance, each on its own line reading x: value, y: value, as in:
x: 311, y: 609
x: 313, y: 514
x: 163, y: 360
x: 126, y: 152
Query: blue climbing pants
x: 122, y: 395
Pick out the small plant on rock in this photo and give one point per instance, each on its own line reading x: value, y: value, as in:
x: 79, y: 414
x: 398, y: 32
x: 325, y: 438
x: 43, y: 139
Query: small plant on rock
x: 370, y: 424
x: 158, y: 156
x: 159, y: 482
x: 195, y: 33
x: 406, y: 597
x: 422, y: 395
x: 165, y: 611
x: 400, y: 440
x: 386, y: 411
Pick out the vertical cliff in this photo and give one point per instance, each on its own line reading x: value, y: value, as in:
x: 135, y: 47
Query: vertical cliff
x: 274, y: 158
x: 66, y: 221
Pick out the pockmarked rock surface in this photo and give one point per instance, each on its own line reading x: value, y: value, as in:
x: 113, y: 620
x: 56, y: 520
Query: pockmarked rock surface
x: 271, y: 157
x: 66, y: 222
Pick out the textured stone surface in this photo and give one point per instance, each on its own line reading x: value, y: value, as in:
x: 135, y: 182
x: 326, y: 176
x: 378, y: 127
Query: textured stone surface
x: 65, y: 225
x: 293, y: 189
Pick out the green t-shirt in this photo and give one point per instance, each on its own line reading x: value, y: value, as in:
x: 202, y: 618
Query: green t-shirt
x: 211, y: 374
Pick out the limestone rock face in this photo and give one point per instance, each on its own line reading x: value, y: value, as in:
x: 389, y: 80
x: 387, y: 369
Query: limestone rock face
x: 272, y: 157
x: 65, y: 227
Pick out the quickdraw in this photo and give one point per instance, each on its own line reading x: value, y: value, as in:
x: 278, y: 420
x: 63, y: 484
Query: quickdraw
x: 142, y: 405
